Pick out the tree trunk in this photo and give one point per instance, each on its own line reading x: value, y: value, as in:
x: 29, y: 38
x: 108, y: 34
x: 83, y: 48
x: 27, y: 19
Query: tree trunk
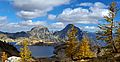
x: 114, y: 47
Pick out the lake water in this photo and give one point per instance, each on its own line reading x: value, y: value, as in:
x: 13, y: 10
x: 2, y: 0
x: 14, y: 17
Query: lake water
x: 39, y: 51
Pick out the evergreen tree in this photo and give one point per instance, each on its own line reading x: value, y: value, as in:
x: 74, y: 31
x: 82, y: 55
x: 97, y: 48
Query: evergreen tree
x: 4, y: 56
x: 118, y: 33
x: 106, y: 33
x: 117, y: 38
x: 71, y: 44
x: 83, y: 50
x: 75, y: 50
x: 25, y: 53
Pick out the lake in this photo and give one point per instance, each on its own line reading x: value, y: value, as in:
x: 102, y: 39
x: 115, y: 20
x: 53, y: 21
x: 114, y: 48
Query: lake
x: 39, y: 51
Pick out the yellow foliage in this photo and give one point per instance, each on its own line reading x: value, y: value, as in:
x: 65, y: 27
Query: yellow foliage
x: 76, y: 51
x: 4, y: 56
x: 84, y: 50
x: 71, y: 44
x: 25, y: 53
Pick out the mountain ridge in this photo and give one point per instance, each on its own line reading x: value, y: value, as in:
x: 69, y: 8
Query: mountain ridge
x: 41, y: 34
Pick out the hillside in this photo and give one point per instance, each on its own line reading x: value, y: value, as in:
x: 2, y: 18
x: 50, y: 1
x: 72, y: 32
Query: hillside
x: 8, y: 48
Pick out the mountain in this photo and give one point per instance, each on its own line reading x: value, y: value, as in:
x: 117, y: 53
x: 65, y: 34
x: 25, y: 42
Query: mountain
x: 40, y: 32
x: 43, y: 33
x: 35, y: 35
x: 15, y: 35
x: 63, y: 33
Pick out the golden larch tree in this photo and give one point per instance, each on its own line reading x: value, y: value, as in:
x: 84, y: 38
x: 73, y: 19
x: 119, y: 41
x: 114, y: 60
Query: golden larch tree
x: 25, y: 53
x: 4, y: 56
x: 71, y: 43
x: 84, y: 50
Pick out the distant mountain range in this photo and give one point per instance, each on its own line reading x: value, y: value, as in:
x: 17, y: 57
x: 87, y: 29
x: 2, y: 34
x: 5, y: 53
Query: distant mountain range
x: 15, y: 35
x: 42, y: 34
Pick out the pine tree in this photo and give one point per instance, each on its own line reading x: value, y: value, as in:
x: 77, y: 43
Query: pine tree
x: 117, y: 38
x: 4, y: 56
x: 83, y: 50
x: 106, y: 33
x: 71, y: 44
x: 25, y: 53
x: 118, y: 33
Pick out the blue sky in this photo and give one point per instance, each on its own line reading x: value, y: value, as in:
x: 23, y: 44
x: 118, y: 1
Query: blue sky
x: 19, y: 15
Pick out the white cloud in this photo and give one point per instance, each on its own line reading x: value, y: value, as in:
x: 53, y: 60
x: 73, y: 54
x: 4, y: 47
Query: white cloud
x: 88, y: 22
x: 26, y: 25
x: 84, y: 16
x: 86, y: 4
x: 3, y: 19
x: 96, y: 4
x: 31, y: 14
x: 29, y: 9
x: 11, y: 27
x: 57, y: 25
x: 51, y: 17
x: 38, y: 4
x: 21, y: 26
x: 89, y: 28
x: 42, y: 6
x: 31, y: 23
x: 100, y: 5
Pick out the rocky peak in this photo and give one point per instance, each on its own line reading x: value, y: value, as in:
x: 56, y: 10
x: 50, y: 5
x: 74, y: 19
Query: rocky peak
x: 39, y: 30
x: 63, y: 33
